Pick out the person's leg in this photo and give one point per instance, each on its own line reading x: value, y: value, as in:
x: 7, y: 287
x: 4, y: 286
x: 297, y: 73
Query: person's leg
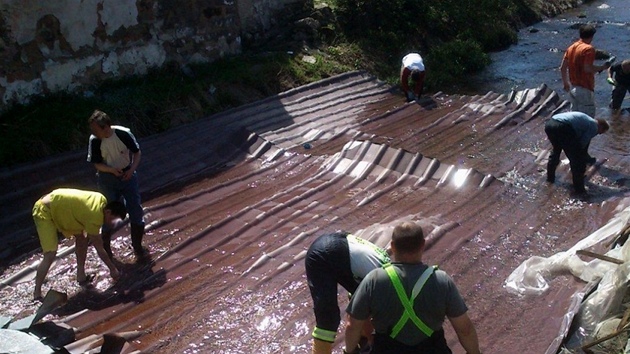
x: 42, y: 271
x: 577, y: 160
x: 419, y: 85
x: 108, y: 185
x: 320, y: 275
x: 583, y: 100
x: 552, y: 129
x: 618, y: 94
x: 80, y: 249
x: 47, y: 233
x: 131, y: 194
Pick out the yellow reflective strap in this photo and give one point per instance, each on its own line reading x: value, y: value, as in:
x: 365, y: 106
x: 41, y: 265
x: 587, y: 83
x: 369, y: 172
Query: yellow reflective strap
x: 409, y: 313
x: 324, y: 334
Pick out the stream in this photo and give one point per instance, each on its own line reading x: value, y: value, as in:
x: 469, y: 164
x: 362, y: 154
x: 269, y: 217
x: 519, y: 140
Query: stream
x: 536, y: 58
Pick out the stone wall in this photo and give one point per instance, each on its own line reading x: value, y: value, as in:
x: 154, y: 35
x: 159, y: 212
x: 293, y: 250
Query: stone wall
x: 50, y: 46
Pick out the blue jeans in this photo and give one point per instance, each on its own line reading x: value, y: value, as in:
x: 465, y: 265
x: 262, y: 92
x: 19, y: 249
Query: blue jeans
x: 114, y: 188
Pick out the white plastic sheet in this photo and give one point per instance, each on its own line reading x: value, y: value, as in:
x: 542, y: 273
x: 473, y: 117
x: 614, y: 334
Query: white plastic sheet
x: 533, y: 275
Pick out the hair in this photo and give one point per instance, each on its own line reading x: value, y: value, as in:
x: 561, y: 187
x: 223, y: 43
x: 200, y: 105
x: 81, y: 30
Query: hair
x: 625, y: 64
x: 415, y: 75
x: 101, y: 118
x: 602, y: 125
x: 587, y: 31
x: 117, y: 208
x: 408, y: 238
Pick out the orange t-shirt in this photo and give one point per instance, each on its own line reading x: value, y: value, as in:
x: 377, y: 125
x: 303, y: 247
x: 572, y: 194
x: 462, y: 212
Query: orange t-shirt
x: 578, y: 54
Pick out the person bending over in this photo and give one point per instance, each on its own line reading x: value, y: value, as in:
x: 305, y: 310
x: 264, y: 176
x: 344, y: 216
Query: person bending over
x: 75, y: 213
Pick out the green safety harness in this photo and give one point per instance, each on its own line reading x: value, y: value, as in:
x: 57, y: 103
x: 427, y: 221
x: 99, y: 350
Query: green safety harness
x: 407, y: 302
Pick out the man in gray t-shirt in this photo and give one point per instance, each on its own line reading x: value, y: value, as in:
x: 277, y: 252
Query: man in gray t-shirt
x: 407, y: 302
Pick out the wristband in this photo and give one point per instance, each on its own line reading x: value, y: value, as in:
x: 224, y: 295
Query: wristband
x: 356, y: 350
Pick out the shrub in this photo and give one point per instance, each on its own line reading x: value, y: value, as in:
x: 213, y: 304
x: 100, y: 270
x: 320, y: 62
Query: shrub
x: 451, y: 61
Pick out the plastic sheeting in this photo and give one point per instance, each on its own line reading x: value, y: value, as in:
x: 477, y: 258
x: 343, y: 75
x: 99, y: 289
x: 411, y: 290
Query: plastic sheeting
x: 610, y: 280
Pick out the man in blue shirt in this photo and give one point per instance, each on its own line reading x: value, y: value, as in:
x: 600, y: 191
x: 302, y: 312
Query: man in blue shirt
x: 572, y: 132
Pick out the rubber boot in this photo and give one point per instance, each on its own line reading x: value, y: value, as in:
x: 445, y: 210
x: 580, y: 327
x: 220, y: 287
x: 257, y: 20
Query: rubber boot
x: 578, y: 183
x: 137, y: 232
x: 321, y: 347
x: 106, y: 235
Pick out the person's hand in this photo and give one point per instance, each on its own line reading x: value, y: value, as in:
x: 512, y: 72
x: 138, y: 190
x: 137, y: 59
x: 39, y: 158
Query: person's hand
x: 116, y: 172
x: 606, y: 65
x: 127, y: 175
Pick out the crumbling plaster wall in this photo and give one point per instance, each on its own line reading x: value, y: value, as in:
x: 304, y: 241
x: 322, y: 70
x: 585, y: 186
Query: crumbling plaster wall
x: 50, y: 46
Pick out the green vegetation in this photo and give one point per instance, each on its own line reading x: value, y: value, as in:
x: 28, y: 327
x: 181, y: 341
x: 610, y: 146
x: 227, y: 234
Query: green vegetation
x: 454, y: 37
x: 155, y: 102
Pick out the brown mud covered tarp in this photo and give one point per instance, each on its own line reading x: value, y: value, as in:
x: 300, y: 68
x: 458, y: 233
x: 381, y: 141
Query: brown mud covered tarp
x: 233, y: 202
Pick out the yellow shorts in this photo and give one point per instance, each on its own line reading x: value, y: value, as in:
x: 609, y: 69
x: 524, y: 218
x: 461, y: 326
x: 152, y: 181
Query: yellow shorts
x: 46, y: 229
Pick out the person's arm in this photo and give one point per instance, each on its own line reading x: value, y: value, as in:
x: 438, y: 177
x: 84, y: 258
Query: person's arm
x: 466, y: 333
x: 592, y: 68
x: 589, y: 63
x: 404, y: 79
x: 134, y: 165
x: 610, y: 74
x: 564, y: 71
x: 101, y: 167
x: 353, y: 333
x: 97, y: 241
x: 420, y: 85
